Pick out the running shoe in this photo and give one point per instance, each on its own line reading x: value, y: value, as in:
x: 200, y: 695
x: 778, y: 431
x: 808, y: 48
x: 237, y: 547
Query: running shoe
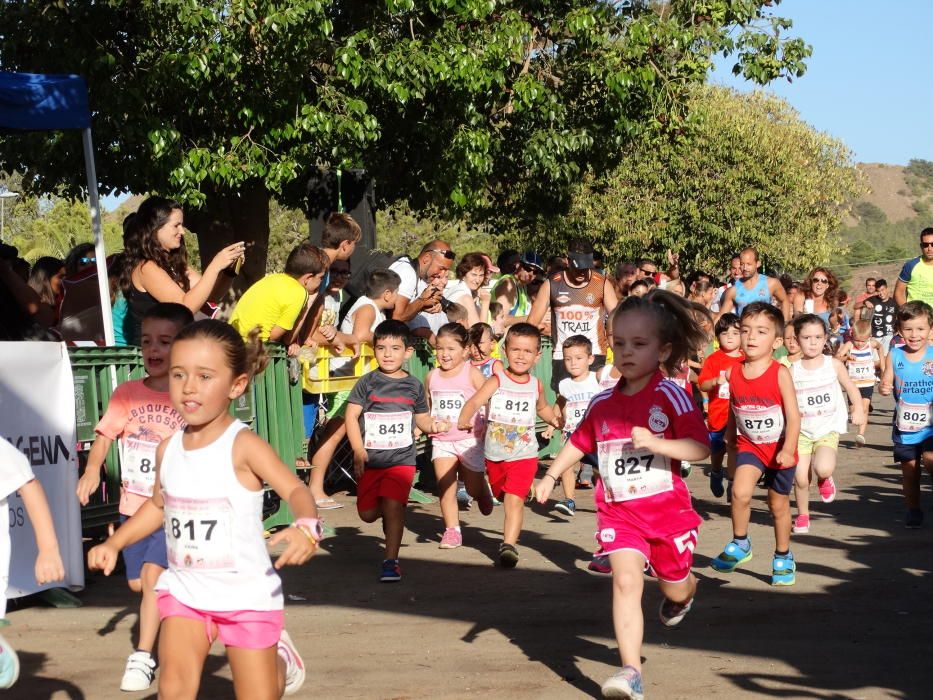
x: 294, y: 666
x: 391, y: 571
x: 672, y: 613
x: 567, y: 507
x: 464, y: 499
x: 486, y: 501
x: 600, y: 564
x: 783, y: 570
x: 913, y: 519
x: 827, y: 489
x: 139, y: 672
x: 451, y: 539
x: 715, y: 483
x: 860, y: 441
x: 731, y: 557
x: 802, y: 525
x: 685, y: 469
x: 624, y: 684
x: 508, y: 556
x: 9, y: 664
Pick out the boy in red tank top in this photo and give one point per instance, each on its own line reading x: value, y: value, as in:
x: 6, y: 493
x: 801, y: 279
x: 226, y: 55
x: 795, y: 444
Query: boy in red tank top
x: 764, y: 424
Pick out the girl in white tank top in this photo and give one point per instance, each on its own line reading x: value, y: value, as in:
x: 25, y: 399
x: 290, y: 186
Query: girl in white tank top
x: 819, y: 381
x: 208, y: 496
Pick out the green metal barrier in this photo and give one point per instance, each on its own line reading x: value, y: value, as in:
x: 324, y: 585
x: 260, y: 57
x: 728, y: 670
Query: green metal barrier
x: 272, y: 408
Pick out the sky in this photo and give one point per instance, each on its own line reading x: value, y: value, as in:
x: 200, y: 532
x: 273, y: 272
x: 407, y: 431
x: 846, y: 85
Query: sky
x: 867, y: 81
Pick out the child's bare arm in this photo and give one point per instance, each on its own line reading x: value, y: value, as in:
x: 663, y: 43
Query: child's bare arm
x: 90, y: 480
x: 430, y: 426
x: 887, y: 379
x: 858, y: 415
x: 482, y: 396
x: 546, y: 411
x: 565, y: 459
x: 49, y: 565
x: 791, y: 418
x: 355, y: 437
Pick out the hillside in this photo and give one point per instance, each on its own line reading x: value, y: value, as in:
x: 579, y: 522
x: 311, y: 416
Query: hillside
x: 889, y: 191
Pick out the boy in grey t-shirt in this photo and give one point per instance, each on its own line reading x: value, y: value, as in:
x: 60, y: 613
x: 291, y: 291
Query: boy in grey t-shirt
x: 382, y: 410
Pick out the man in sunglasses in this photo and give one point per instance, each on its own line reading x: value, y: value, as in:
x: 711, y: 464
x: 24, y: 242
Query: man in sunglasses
x: 511, y: 291
x: 421, y: 290
x: 753, y: 286
x: 916, y: 278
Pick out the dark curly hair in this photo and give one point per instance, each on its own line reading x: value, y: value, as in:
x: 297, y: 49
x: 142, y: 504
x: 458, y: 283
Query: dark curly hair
x: 143, y: 246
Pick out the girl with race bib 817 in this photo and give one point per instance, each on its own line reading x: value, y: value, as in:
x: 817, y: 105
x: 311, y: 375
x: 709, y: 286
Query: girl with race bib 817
x: 450, y: 386
x: 641, y: 431
x: 208, y: 495
x: 909, y: 373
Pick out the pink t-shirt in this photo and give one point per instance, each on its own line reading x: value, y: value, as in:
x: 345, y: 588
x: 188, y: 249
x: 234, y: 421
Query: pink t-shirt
x: 649, y: 493
x: 140, y: 419
x: 448, y: 396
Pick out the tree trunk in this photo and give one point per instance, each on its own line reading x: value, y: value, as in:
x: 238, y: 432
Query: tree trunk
x: 230, y: 216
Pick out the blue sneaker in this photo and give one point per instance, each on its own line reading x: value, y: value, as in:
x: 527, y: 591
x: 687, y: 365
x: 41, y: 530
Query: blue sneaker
x: 9, y: 664
x: 391, y: 571
x: 914, y: 519
x: 732, y: 556
x: 624, y: 684
x: 567, y: 507
x: 715, y: 483
x: 783, y: 570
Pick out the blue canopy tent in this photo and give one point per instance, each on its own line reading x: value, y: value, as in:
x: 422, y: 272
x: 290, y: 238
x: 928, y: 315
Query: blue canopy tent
x: 36, y: 102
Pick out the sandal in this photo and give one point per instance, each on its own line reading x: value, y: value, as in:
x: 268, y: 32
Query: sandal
x: 327, y: 504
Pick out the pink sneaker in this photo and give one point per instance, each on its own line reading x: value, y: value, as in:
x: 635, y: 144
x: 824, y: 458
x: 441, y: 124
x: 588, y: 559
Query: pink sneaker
x: 802, y: 524
x: 451, y: 539
x: 827, y: 489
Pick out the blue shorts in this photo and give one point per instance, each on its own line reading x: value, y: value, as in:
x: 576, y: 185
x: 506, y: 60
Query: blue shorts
x: 717, y: 441
x: 778, y: 480
x: 148, y: 550
x: 912, y: 453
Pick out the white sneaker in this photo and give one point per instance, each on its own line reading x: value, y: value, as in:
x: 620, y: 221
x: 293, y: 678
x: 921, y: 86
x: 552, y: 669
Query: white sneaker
x: 294, y: 666
x: 140, y: 670
x: 9, y: 664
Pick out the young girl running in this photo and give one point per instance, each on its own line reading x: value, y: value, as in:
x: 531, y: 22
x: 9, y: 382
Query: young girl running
x: 449, y: 387
x: 208, y: 493
x: 480, y: 345
x: 909, y: 373
x: 862, y: 358
x: 641, y: 431
x: 819, y: 381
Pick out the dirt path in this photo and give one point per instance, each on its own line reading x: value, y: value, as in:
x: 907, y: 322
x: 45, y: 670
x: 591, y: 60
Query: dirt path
x: 855, y: 626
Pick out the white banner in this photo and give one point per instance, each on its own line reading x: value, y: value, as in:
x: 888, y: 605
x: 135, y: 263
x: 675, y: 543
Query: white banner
x: 37, y: 415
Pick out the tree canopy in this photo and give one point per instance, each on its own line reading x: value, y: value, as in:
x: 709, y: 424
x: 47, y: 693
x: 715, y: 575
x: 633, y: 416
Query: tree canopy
x: 489, y: 108
x: 748, y: 171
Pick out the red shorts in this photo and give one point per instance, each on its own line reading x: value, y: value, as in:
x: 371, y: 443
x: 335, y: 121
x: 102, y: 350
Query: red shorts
x: 670, y: 557
x: 392, y: 482
x: 247, y: 629
x: 513, y: 477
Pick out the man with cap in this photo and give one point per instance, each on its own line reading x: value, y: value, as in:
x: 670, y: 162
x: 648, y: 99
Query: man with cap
x: 511, y: 291
x: 580, y: 299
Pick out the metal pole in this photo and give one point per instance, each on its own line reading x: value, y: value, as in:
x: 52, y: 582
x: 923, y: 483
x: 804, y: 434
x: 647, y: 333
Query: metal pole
x: 103, y: 283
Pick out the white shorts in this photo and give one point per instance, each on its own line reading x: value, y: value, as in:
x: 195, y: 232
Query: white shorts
x: 885, y: 343
x: 469, y: 451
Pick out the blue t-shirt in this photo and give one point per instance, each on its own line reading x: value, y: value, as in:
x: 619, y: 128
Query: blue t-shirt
x: 745, y: 296
x: 913, y: 391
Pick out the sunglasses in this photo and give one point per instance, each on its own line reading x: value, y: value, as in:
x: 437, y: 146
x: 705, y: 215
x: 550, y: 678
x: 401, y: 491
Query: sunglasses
x: 449, y: 254
x: 648, y: 272
x: 926, y: 244
x: 85, y: 261
x: 820, y: 280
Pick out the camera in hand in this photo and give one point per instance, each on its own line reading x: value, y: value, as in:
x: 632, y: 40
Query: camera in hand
x: 446, y: 304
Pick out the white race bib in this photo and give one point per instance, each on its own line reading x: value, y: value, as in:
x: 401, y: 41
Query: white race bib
x: 912, y: 417
x: 629, y: 474
x: 387, y: 431
x: 446, y: 405
x: 137, y: 465
x: 816, y: 401
x: 724, y: 392
x: 512, y: 408
x: 862, y: 371
x: 574, y: 412
x: 199, y: 533
x: 762, y: 426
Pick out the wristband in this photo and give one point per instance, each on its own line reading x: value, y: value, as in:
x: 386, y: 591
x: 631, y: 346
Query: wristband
x: 553, y: 478
x: 314, y: 526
